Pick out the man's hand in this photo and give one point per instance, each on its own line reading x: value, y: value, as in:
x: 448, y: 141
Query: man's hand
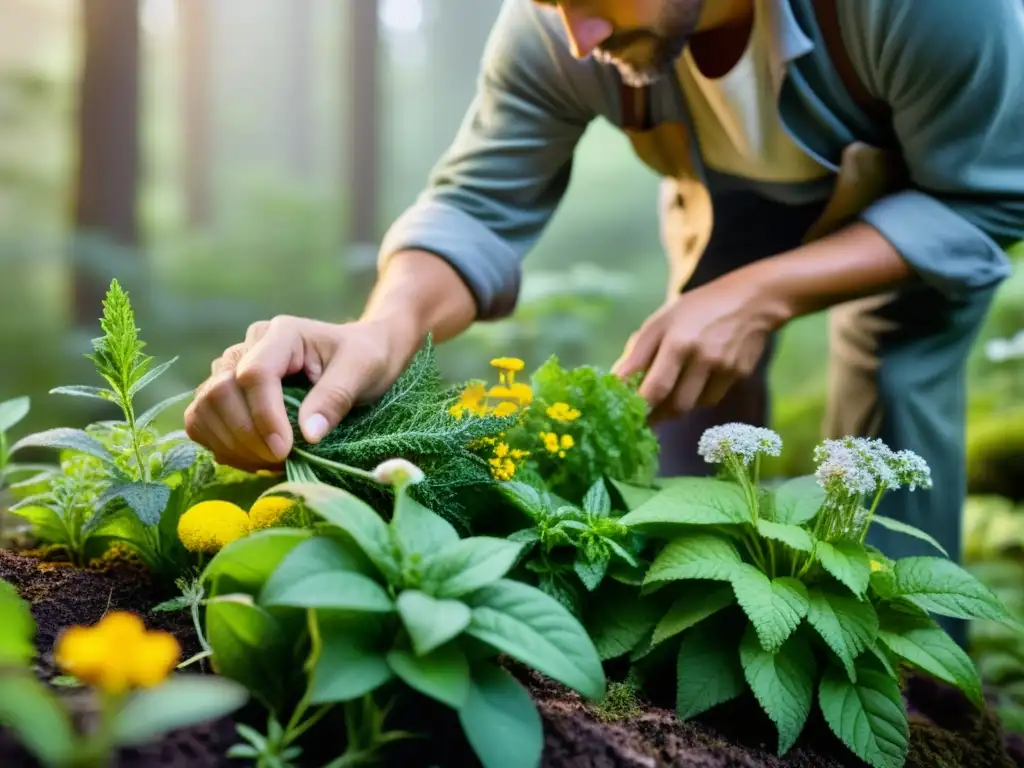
x: 699, y: 344
x: 238, y: 413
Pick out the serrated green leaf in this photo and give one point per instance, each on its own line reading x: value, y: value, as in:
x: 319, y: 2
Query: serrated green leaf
x: 943, y: 587
x: 499, y: 713
x: 848, y: 625
x: 526, y: 497
x: 66, y: 439
x: 469, y: 564
x: 443, y: 674
x: 883, y: 583
x: 596, y: 501
x: 692, y: 608
x: 418, y: 530
x: 792, y: 536
x: 431, y: 623
x: 708, y: 671
x: 847, y: 561
x: 797, y: 501
x: 782, y: 682
x: 180, y: 457
x: 147, y: 500
x: 909, y: 530
x: 920, y: 641
x: 868, y: 716
x: 13, y: 411
x: 621, y: 619
x: 534, y: 628
x: 695, y: 556
x: 150, y: 376
x: 774, y: 606
x: 591, y: 571
x: 692, y: 501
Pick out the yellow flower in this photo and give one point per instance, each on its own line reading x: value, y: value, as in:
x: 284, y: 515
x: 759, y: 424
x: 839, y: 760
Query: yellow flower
x: 562, y: 412
x: 522, y: 392
x: 508, y: 367
x: 555, y: 444
x: 503, y: 463
x: 471, y: 400
x: 268, y: 511
x: 877, y: 566
x: 501, y: 410
x: 211, y: 525
x: 117, y: 654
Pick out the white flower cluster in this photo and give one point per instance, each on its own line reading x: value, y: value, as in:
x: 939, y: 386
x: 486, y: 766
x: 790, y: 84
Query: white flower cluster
x: 859, y: 465
x: 740, y: 441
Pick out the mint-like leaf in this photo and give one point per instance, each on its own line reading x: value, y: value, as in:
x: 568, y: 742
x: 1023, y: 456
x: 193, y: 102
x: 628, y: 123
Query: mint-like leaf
x: 147, y: 500
x: 417, y: 530
x: 431, y: 623
x: 797, y: 501
x: 695, y: 556
x: 848, y: 625
x: 597, y: 501
x: 792, y: 536
x: 848, y: 561
x: 499, y: 712
x: 66, y: 439
x: 943, y: 587
x: 469, y: 564
x: 442, y: 675
x: 691, y: 609
x: 708, y: 671
x: 692, y: 501
x: 774, y: 606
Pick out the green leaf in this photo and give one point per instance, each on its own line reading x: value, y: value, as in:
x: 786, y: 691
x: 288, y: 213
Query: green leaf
x: 633, y: 496
x: 920, y: 641
x: 848, y: 625
x: 66, y: 439
x: 469, y: 564
x: 79, y: 390
x: 692, y: 501
x: 182, y: 701
x: 180, y: 457
x: 150, y: 414
x: 526, y: 497
x: 792, y: 536
x: 13, y: 411
x: 597, y: 501
x: 352, y: 515
x: 692, y: 608
x: 943, y: 587
x: 337, y: 590
x: 442, y: 674
x: 883, y: 583
x: 797, y: 501
x: 708, y: 671
x: 245, y: 564
x: 17, y: 628
x: 782, y: 682
x: 352, y: 661
x: 417, y: 530
x: 702, y: 555
x: 867, y: 716
x: 431, y: 623
x: 38, y: 719
x: 150, y: 376
x: 179, y: 603
x: 45, y: 521
x: 848, y: 561
x: 534, y: 628
x: 909, y: 530
x: 147, y: 500
x: 498, y: 713
x: 621, y: 619
x: 592, y: 572
x: 774, y: 606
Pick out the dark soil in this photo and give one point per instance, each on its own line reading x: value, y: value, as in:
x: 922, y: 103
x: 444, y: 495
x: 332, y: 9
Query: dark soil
x: 946, y: 731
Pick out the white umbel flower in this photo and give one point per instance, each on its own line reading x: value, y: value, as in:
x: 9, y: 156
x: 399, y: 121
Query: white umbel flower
x: 740, y: 441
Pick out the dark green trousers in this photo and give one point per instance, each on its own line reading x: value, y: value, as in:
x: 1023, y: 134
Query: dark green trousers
x: 896, y: 370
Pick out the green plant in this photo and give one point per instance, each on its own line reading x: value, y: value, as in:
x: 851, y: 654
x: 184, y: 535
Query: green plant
x: 118, y: 480
x: 774, y: 591
x: 361, y: 610
x: 127, y: 716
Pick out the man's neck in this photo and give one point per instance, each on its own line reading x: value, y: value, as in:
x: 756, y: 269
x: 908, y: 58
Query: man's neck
x: 722, y: 35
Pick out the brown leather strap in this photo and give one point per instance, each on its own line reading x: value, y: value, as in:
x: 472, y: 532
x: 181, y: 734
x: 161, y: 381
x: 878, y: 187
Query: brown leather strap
x: 828, y: 21
x: 636, y: 108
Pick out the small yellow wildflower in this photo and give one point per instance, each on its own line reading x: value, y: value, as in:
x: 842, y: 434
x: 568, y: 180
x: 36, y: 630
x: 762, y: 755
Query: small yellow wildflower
x: 503, y: 463
x: 522, y: 392
x: 117, y: 654
x: 508, y: 367
x: 471, y: 400
x: 211, y: 525
x: 501, y: 410
x: 555, y: 444
x: 268, y: 511
x: 562, y: 412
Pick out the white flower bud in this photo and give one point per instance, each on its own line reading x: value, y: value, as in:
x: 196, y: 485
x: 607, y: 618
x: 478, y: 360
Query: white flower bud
x: 397, y: 472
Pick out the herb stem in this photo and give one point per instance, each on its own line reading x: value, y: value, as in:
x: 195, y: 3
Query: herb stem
x: 871, y: 514
x: 334, y: 465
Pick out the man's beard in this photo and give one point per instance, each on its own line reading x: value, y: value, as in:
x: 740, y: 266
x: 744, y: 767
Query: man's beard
x: 660, y: 45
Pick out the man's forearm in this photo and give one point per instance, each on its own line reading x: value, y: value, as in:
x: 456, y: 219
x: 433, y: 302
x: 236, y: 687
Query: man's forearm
x: 857, y: 261
x: 421, y: 293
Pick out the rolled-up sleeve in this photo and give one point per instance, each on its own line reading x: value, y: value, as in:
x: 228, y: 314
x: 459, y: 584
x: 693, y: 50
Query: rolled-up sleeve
x: 953, y: 73
x: 495, y: 189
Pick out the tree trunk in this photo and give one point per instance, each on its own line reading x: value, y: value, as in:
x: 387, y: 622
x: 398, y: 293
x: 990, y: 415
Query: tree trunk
x: 196, y: 28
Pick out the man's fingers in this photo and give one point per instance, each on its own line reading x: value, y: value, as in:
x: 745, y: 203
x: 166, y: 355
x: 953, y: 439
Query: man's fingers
x: 227, y: 362
x: 661, y: 377
x: 640, y: 350
x: 205, y: 427
x: 333, y: 395
x: 717, y: 387
x: 229, y: 403
x: 690, y: 387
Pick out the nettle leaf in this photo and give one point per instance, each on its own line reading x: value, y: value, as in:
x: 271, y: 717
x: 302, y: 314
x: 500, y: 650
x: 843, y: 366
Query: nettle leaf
x: 708, y: 671
x: 66, y: 439
x: 534, y: 628
x: 782, y: 682
x: 150, y: 414
x: 592, y: 570
x: 431, y: 623
x: 147, y: 500
x: 498, y: 712
x: 883, y: 583
x: 469, y: 564
x: 526, y: 497
x: 943, y: 587
x: 633, y: 496
x: 150, y: 376
x: 352, y: 661
x: 180, y: 457
x: 619, y: 622
x: 417, y: 530
x: 792, y: 536
x: 695, y: 556
x: 80, y: 390
x: 597, y: 501
x: 848, y: 625
x: 691, y: 609
x: 868, y: 716
x: 774, y: 606
x: 442, y: 674
x: 13, y: 411
x: 352, y: 515
x: 920, y: 641
x: 848, y: 561
x: 797, y: 501
x: 909, y: 530
x: 692, y: 501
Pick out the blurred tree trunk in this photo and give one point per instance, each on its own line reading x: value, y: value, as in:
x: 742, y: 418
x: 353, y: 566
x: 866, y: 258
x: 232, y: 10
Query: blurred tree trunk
x: 108, y: 145
x: 298, y: 98
x: 362, y: 158
x: 196, y: 28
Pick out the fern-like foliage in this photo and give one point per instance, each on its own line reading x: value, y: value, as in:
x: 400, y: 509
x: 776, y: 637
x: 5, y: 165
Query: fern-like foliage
x: 410, y: 421
x: 118, y: 354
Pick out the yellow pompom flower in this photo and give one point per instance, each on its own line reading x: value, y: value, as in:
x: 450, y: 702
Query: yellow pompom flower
x: 562, y: 412
x: 117, y: 654
x: 211, y: 525
x: 507, y: 367
x: 268, y: 511
x: 522, y: 392
x: 501, y: 410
